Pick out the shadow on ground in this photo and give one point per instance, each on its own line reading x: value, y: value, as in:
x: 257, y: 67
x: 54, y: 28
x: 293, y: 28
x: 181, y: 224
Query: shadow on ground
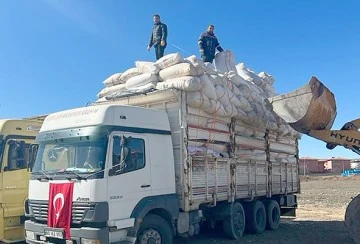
x: 289, y: 232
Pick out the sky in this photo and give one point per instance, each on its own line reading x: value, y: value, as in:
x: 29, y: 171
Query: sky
x: 54, y: 54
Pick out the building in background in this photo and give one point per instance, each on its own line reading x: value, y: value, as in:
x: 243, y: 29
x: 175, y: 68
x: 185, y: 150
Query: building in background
x: 309, y: 165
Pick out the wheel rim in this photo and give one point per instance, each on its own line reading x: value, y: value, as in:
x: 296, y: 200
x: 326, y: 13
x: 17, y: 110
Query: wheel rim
x: 238, y: 222
x: 150, y: 236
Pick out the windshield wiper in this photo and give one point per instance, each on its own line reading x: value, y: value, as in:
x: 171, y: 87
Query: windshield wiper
x: 80, y: 177
x: 47, y: 177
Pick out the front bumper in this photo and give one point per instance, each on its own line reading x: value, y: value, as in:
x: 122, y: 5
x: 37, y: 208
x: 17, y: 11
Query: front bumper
x: 101, y: 234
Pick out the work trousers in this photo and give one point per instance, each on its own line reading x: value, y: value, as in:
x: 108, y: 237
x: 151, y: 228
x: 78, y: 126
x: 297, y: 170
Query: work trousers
x: 159, y: 51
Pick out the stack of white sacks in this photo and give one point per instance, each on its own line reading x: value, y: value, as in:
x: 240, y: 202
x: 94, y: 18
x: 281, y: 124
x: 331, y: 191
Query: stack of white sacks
x: 222, y: 90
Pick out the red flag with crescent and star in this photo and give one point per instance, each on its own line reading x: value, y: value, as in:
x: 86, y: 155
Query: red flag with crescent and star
x: 60, y: 204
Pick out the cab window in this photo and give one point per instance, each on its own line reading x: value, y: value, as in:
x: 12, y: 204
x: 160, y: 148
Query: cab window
x: 128, y: 154
x: 18, y: 155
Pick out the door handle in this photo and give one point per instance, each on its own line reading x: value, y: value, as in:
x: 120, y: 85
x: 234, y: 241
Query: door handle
x: 145, y: 186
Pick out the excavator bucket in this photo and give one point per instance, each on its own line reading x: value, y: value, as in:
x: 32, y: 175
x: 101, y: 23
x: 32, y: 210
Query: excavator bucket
x: 311, y: 107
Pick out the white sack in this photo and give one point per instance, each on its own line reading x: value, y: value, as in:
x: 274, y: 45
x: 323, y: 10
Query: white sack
x: 146, y: 67
x: 226, y: 96
x: 245, y: 92
x: 216, y: 109
x: 178, y: 70
x: 231, y: 110
x: 200, y: 100
x: 169, y: 60
x: 224, y: 61
x: 256, y: 79
x: 197, y: 100
x: 216, y: 125
x: 243, y: 72
x: 267, y: 78
x: 112, y: 80
x: 142, y: 89
x: 243, y: 130
x: 210, y: 69
x: 217, y: 147
x: 233, y: 98
x: 244, y: 104
x: 208, y: 86
x: 202, y: 151
x: 128, y: 74
x: 110, y: 90
x: 198, y: 64
x: 202, y: 113
x: 231, y: 86
x: 196, y: 120
x: 237, y: 79
x: 141, y: 80
x: 217, y: 79
x: 222, y: 94
x: 186, y: 83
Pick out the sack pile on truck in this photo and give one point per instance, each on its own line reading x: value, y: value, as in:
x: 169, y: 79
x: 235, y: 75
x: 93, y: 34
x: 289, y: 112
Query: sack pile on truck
x: 216, y: 95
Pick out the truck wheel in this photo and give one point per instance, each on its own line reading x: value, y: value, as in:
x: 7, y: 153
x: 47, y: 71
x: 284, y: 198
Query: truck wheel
x: 256, y: 217
x: 234, y: 225
x: 352, y: 219
x: 272, y: 215
x: 155, y: 230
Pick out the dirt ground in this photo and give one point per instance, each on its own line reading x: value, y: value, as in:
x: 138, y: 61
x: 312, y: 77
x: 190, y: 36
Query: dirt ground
x: 320, y: 216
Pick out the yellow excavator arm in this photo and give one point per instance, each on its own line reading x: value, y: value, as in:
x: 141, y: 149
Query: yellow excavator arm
x: 348, y: 136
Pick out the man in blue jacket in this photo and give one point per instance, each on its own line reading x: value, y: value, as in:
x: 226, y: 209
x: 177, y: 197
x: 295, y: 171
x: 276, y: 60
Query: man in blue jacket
x: 208, y: 43
x: 158, y: 37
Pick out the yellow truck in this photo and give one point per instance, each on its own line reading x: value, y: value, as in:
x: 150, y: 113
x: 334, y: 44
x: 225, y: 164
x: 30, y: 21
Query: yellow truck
x: 17, y: 153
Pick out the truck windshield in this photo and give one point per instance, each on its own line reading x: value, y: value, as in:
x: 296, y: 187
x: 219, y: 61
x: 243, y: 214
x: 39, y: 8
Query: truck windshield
x: 82, y: 155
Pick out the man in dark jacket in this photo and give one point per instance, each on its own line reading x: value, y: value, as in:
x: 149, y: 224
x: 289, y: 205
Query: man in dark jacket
x: 158, y: 37
x: 208, y: 43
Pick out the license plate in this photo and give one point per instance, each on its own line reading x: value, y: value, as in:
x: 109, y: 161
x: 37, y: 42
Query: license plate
x: 56, y: 233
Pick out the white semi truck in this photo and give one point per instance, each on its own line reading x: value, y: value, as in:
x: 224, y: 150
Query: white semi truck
x: 145, y: 168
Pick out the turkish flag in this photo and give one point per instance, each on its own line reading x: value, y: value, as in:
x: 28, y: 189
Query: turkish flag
x: 60, y: 204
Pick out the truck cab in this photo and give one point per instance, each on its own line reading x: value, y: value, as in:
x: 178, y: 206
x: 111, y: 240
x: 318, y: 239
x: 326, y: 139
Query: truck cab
x: 17, y: 151
x: 118, y: 162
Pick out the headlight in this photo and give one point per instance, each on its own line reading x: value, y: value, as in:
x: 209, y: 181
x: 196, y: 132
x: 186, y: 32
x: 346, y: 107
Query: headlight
x: 89, y: 241
x: 30, y: 235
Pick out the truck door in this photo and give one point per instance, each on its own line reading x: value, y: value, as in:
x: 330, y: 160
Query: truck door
x: 15, y: 175
x: 129, y: 180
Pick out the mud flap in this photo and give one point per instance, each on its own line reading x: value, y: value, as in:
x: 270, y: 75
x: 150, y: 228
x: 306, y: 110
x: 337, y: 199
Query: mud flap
x: 289, y: 212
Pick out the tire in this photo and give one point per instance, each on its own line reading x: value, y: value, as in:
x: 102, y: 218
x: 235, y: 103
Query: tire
x: 272, y: 215
x: 155, y: 228
x: 352, y: 219
x: 234, y: 225
x: 255, y: 217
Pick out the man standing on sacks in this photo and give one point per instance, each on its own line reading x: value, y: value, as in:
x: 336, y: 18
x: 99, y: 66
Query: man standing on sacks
x: 158, y: 37
x: 208, y: 43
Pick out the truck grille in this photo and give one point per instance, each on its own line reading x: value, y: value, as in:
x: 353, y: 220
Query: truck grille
x: 39, y: 210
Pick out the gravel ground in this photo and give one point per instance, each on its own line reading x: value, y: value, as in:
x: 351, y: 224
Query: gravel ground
x: 320, y: 216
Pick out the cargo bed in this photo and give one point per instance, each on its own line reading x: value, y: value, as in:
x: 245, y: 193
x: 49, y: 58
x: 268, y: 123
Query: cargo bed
x: 253, y: 163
